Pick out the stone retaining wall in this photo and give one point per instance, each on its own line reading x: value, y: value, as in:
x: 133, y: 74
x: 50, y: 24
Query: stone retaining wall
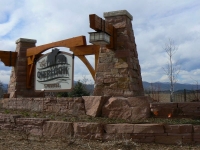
x: 183, y: 110
x: 139, y: 107
x: 95, y: 106
x: 144, y: 133
x: 74, y: 106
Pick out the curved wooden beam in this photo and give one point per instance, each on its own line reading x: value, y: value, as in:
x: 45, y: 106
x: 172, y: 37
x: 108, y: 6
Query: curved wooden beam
x: 88, y: 65
x: 87, y: 50
x: 72, y: 42
x: 8, y: 58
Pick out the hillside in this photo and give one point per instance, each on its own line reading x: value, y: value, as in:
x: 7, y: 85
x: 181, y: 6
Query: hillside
x: 164, y: 86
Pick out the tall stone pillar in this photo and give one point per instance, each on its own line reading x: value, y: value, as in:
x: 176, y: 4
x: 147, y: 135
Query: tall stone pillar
x: 118, y: 71
x: 17, y: 85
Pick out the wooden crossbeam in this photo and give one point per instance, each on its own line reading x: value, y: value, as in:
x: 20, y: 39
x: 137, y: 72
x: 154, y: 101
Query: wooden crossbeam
x: 8, y: 58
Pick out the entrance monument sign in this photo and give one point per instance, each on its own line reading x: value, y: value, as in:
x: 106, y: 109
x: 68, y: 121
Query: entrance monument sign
x: 54, y: 71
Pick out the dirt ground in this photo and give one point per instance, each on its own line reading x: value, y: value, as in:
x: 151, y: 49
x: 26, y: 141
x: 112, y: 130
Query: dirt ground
x: 11, y: 140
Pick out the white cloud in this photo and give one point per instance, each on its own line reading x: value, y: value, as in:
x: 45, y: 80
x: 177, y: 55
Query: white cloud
x: 4, y: 76
x: 153, y: 23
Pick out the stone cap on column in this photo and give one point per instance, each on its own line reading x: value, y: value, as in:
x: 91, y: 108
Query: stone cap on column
x: 26, y: 40
x: 118, y: 13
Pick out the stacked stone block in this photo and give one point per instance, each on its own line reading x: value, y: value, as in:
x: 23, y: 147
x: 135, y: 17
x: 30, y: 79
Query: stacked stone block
x: 17, y: 84
x: 118, y: 71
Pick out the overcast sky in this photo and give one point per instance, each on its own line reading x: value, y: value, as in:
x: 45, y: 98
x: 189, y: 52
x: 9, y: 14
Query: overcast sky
x: 154, y: 22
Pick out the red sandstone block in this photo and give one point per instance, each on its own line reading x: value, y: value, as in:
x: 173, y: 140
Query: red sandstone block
x: 196, y: 128
x: 99, y: 80
x: 116, y: 136
x: 143, y: 138
x: 184, y: 136
x: 112, y: 92
x: 187, y: 141
x: 31, y: 121
x: 89, y: 136
x: 149, y: 139
x: 184, y: 128
x: 85, y: 127
x: 148, y: 128
x: 8, y: 118
x: 78, y: 99
x: 8, y: 126
x: 109, y: 80
x: 122, y: 53
x: 172, y: 139
x: 119, y: 128
x: 63, y: 101
x: 58, y: 129
x: 76, y: 108
x: 196, y: 135
x: 138, y: 135
x: 129, y: 93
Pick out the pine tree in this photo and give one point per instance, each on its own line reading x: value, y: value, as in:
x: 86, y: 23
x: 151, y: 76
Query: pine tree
x: 78, y: 91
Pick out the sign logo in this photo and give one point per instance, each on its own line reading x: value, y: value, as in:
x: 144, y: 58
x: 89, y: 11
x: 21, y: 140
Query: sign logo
x: 54, y: 71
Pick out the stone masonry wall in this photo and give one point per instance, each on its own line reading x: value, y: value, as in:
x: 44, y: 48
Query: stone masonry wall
x: 73, y: 106
x: 129, y: 108
x: 118, y: 70
x: 144, y: 133
x: 17, y: 84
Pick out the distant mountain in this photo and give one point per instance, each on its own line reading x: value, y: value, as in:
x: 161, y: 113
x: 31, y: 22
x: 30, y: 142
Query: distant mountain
x: 5, y: 86
x: 164, y: 86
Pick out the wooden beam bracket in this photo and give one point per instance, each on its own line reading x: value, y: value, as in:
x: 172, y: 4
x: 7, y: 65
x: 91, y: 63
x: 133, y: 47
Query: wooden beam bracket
x: 8, y: 58
x: 100, y: 25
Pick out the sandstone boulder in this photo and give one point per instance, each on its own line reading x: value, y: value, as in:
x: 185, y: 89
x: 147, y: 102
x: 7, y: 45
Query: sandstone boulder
x: 93, y: 105
x: 140, y: 107
x: 131, y: 108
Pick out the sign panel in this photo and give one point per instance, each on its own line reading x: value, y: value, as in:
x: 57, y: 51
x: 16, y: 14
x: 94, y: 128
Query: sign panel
x: 54, y: 72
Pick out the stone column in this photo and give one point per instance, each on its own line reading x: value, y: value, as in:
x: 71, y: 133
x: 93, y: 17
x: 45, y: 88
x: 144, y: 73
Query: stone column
x: 17, y: 84
x: 118, y: 71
